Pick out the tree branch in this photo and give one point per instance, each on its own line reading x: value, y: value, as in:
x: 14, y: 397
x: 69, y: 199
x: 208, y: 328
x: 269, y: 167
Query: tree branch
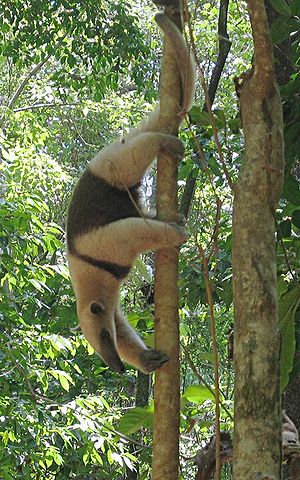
x: 224, y: 48
x: 45, y: 105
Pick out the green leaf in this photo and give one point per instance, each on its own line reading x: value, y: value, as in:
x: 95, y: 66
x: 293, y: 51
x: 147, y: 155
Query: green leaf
x: 96, y: 457
x: 281, y: 7
x: 109, y: 457
x: 214, y: 167
x: 220, y: 118
x: 57, y: 457
x: 142, y: 269
x: 287, y: 305
x: 12, y: 436
x: 86, y: 458
x: 282, y: 286
x: 127, y: 460
x: 198, y: 394
x: 149, y: 339
x: 292, y: 133
x: 135, y: 418
x: 234, y: 124
x: 199, y: 116
x: 38, y: 285
x: 49, y: 461
x: 64, y: 382
x: 296, y: 218
x: 117, y: 458
x: 284, y: 229
x: 206, y: 356
x: 291, y: 190
x: 71, y: 60
x: 64, y: 378
x: 295, y: 7
x: 281, y: 29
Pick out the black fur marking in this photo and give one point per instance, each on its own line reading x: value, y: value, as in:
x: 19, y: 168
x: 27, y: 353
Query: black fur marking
x: 118, y: 271
x: 96, y: 203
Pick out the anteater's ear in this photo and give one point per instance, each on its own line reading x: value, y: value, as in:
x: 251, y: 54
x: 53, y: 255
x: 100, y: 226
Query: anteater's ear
x: 96, y: 308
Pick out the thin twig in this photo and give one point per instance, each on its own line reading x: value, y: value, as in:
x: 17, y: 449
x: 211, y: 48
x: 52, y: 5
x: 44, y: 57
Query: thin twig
x: 214, y: 238
x: 46, y: 105
x: 216, y: 360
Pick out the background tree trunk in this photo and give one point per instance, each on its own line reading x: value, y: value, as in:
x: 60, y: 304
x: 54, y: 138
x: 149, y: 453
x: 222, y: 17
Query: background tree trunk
x: 257, y: 443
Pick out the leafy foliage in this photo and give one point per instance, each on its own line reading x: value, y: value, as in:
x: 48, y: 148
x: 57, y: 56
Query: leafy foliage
x: 62, y: 413
x: 91, y: 45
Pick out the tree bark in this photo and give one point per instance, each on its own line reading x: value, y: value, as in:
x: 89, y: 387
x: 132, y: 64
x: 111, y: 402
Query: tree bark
x: 257, y: 442
x: 284, y: 69
x: 167, y: 379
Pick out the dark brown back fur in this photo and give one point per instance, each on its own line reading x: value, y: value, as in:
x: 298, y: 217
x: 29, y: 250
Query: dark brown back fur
x: 96, y: 203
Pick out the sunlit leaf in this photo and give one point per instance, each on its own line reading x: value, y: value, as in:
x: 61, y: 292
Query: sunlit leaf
x: 134, y: 419
x: 198, y: 394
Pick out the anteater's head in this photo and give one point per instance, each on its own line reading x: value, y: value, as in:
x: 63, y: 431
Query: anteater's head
x: 97, y: 323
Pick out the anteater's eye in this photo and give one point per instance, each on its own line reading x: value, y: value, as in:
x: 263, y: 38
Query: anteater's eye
x: 97, y: 308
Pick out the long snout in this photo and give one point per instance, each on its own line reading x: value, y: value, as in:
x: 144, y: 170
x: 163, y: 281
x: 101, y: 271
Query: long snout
x: 108, y: 352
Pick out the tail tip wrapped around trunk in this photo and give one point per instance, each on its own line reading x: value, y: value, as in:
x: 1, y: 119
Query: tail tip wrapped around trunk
x: 183, y: 56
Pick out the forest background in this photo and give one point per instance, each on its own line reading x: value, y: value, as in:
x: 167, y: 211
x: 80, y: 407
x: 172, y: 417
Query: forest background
x: 75, y: 75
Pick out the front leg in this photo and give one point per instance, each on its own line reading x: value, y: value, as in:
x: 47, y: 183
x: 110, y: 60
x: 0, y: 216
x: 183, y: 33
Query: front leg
x: 122, y: 241
x: 133, y: 350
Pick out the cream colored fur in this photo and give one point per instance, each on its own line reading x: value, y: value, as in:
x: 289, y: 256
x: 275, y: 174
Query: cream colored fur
x: 122, y: 241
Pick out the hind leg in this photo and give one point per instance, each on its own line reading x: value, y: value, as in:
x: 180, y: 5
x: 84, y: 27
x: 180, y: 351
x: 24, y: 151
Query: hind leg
x: 133, y: 350
x: 123, y: 164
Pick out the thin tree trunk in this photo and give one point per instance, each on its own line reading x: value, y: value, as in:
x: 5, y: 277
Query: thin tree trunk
x: 257, y: 443
x: 167, y: 381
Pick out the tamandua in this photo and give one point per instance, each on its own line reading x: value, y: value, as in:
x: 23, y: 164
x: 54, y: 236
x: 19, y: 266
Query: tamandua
x: 106, y: 229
